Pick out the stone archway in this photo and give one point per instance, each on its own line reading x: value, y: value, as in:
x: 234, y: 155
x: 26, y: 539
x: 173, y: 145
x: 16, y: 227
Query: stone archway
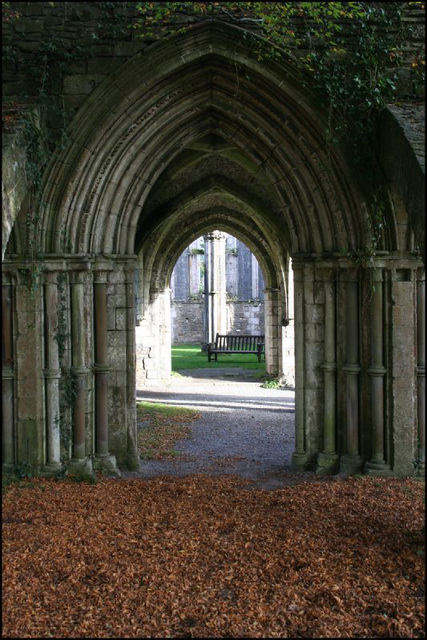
x: 195, y: 133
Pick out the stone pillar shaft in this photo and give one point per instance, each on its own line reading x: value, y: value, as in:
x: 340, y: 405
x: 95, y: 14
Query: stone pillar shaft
x: 421, y: 363
x: 377, y: 372
x: 299, y: 456
x: 329, y: 369
x: 132, y: 457
x: 52, y: 372
x: 377, y: 465
x: 215, y: 293
x: 327, y: 460
x: 78, y: 369
x: 272, y: 319
x: 7, y: 379
x: 352, y: 368
x: 351, y: 461
x: 101, y: 368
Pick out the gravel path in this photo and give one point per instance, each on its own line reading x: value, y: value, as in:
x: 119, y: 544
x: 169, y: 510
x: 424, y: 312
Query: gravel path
x: 244, y: 430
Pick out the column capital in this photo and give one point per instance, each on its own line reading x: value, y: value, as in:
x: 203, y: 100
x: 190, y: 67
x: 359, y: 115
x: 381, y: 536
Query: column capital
x: 50, y: 277
x: 214, y: 235
x: 6, y: 278
x: 78, y: 277
x: 100, y: 276
x: 272, y: 292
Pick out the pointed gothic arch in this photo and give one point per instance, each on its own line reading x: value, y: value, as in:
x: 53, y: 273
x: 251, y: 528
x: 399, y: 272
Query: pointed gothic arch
x: 191, y: 132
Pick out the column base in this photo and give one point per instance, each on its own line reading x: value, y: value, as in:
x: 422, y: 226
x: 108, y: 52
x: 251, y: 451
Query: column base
x: 133, y: 461
x: 81, y: 467
x: 420, y: 470
x: 299, y: 462
x: 52, y: 470
x: 106, y: 463
x: 377, y: 469
x: 327, y: 464
x: 351, y: 464
x: 8, y: 468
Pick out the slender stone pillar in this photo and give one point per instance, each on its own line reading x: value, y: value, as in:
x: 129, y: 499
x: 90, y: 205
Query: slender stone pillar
x: 327, y: 461
x: 79, y: 463
x: 272, y: 322
x: 103, y: 459
x: 132, y: 458
x: 351, y: 462
x: 299, y: 458
x: 207, y: 318
x: 52, y: 375
x: 8, y: 453
x: 377, y: 464
x: 215, y: 293
x: 421, y: 364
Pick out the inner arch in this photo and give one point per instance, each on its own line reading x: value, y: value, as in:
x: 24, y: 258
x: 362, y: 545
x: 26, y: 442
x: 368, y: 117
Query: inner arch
x: 186, y: 114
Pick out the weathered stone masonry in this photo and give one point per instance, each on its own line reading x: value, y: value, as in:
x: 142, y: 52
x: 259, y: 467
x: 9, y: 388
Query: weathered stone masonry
x: 165, y: 146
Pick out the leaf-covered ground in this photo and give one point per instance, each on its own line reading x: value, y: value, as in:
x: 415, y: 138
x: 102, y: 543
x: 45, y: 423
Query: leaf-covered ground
x: 211, y: 557
x: 160, y: 427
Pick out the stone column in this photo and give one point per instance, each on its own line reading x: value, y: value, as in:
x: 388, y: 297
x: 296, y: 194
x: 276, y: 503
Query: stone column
x: 377, y: 464
x: 29, y: 383
x: 351, y: 462
x: 132, y: 458
x: 299, y: 457
x: 421, y: 363
x: 215, y: 292
x: 272, y: 323
x: 103, y: 459
x: 79, y: 463
x: 8, y: 452
x: 52, y: 373
x: 327, y: 460
x: 288, y: 332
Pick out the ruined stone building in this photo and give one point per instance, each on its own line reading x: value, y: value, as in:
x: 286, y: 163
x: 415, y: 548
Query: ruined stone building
x: 119, y: 152
x: 231, y: 276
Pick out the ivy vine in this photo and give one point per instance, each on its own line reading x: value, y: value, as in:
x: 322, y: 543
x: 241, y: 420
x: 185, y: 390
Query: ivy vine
x: 349, y: 53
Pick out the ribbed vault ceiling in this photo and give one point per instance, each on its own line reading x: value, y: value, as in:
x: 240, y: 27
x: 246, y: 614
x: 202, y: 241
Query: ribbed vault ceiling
x: 196, y: 134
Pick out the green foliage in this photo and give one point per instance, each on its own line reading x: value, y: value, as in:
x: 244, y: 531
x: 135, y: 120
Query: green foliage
x: 9, y: 14
x: 271, y: 382
x: 349, y: 52
x: 24, y: 470
x: 82, y: 477
x: 67, y: 391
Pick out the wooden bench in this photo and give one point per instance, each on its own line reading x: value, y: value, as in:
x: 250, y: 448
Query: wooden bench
x: 237, y: 343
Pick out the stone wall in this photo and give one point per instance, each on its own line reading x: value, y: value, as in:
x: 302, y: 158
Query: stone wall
x: 187, y: 320
x: 246, y: 317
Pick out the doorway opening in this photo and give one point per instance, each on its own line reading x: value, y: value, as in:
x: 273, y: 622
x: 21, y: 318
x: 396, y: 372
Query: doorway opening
x: 246, y: 424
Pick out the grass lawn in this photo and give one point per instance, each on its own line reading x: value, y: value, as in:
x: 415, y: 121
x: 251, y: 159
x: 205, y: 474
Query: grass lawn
x: 190, y: 356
